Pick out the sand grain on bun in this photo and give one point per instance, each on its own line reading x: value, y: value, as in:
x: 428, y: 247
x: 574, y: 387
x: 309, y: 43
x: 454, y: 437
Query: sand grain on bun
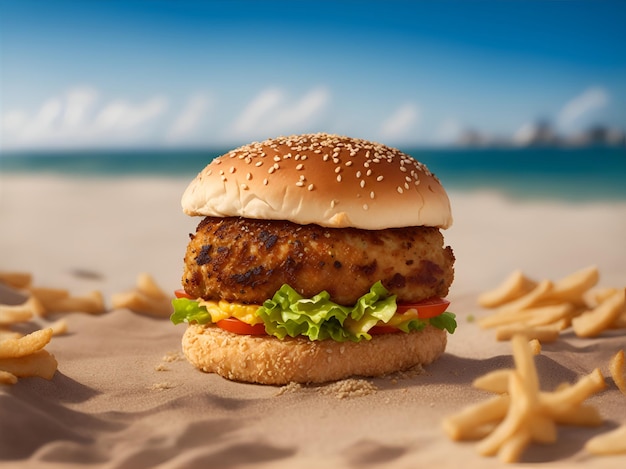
x: 355, y: 182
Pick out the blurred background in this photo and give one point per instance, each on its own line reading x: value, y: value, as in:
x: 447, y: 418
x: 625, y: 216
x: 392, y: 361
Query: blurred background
x: 525, y: 97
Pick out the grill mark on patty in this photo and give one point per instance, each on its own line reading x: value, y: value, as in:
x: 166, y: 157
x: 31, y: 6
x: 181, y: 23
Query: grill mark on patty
x: 204, y: 257
x: 268, y: 239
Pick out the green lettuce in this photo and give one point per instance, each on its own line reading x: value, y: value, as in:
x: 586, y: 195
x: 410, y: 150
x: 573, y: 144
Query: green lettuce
x: 318, y: 318
x: 288, y: 313
x: 189, y: 311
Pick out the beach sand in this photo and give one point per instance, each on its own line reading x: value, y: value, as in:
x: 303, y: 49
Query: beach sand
x: 124, y: 398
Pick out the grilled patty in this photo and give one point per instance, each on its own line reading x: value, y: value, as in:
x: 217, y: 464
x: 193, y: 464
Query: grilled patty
x: 247, y: 261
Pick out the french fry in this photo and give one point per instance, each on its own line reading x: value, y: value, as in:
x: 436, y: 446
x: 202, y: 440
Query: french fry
x: 141, y: 303
x: 27, y: 345
x: 535, y: 346
x: 573, y: 287
x: 616, y: 368
x: 513, y: 287
x: 512, y: 309
x: 17, y: 280
x: 593, y: 323
x: 580, y: 416
x: 13, y: 314
x: 91, y: 303
x: 548, y: 333
x: 575, y: 394
x: 59, y: 327
x: 613, y: 442
x: 40, y: 363
x: 45, y: 295
x: 148, y: 286
x: 466, y: 424
x: 7, y: 378
x: 495, y: 381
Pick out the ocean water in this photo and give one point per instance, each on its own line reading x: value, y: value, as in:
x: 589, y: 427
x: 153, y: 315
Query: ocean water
x: 576, y: 174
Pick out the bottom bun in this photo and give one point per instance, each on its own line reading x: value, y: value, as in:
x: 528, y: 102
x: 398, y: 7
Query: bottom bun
x: 268, y: 360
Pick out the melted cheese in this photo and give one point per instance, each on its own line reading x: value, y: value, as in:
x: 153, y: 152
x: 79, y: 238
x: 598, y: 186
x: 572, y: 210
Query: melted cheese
x: 223, y: 309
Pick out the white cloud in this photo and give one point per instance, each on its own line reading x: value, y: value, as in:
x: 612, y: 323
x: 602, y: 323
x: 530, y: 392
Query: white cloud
x: 402, y: 123
x: 272, y: 113
x: 189, y: 118
x: 74, y: 119
x: 590, y: 100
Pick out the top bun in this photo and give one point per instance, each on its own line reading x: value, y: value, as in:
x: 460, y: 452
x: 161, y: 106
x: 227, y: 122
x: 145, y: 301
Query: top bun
x: 328, y: 180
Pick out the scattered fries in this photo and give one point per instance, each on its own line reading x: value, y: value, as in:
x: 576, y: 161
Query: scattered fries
x: 25, y: 356
x: 541, y: 310
x: 147, y: 298
x: 521, y: 413
x: 59, y: 301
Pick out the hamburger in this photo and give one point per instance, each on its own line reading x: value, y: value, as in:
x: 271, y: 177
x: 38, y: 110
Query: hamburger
x: 318, y: 257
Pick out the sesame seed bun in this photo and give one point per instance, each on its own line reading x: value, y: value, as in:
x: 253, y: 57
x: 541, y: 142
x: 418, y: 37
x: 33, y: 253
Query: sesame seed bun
x: 324, y: 179
x: 268, y: 360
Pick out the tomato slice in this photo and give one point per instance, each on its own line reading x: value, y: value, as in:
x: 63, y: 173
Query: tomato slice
x: 426, y: 309
x: 240, y: 327
x: 182, y: 294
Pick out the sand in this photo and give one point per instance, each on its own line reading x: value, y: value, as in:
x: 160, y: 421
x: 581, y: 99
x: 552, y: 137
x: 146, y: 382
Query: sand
x: 123, y: 397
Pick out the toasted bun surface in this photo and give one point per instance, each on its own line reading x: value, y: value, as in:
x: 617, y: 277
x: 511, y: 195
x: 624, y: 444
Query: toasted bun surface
x: 268, y: 360
x: 324, y: 179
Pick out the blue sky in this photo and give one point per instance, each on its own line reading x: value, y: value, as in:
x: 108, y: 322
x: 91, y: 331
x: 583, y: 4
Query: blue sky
x: 159, y: 73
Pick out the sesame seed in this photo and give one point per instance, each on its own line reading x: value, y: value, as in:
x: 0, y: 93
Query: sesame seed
x: 311, y: 187
x: 365, y: 207
x: 300, y: 183
x: 406, y: 186
x: 265, y: 181
x: 248, y: 176
x: 217, y: 161
x: 408, y: 179
x: 223, y: 178
x: 333, y: 203
x: 362, y: 183
x: 277, y: 158
x: 403, y: 168
x: 400, y: 190
x: 325, y: 157
x: 221, y: 172
x: 348, y: 163
x: 258, y: 163
x: 209, y: 172
x: 276, y: 166
x: 271, y: 170
x: 369, y: 172
x: 232, y: 170
x: 380, y: 178
x: 372, y: 195
x: 299, y: 166
x: 338, y: 169
x: 244, y: 187
x: 338, y: 177
x: 302, y: 178
x: 358, y: 174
